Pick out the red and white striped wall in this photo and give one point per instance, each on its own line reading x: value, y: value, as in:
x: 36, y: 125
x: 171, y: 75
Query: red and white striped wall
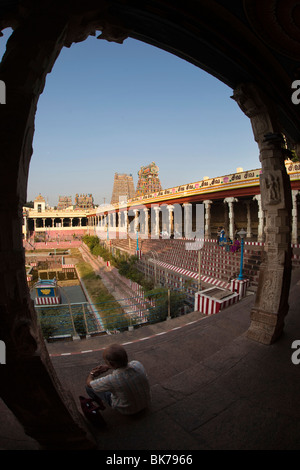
x: 239, y: 286
x: 209, y: 305
x: 47, y: 300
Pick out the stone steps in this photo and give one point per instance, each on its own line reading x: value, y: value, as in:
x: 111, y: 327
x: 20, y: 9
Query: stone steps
x: 216, y: 262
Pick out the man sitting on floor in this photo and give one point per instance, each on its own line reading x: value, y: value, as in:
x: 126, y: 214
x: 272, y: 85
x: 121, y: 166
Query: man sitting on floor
x: 126, y: 389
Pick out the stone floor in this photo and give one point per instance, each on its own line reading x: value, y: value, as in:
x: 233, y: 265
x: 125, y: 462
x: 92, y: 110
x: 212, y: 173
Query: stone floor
x: 212, y: 387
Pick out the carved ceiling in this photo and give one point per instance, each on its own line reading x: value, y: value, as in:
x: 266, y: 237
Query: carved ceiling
x: 236, y: 41
x: 277, y: 23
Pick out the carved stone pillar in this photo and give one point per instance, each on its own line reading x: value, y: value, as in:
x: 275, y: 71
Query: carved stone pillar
x: 171, y: 219
x: 122, y: 225
x: 226, y: 218
x: 249, y: 230
x: 136, y: 220
x: 177, y: 220
x: 230, y: 201
x: 126, y: 222
x: 145, y: 222
x: 187, y: 220
x: 28, y: 383
x: 261, y: 218
x: 271, y: 303
x: 25, y: 227
x: 155, y: 221
x: 207, y: 230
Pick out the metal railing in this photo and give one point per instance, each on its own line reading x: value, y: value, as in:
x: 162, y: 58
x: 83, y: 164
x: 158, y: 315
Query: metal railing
x: 84, y: 319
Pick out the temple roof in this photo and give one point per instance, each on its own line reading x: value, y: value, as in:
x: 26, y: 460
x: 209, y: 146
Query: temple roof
x: 39, y: 198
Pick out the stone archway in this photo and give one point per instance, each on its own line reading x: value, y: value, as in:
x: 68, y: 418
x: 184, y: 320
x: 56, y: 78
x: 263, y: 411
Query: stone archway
x: 40, y: 33
x: 45, y: 410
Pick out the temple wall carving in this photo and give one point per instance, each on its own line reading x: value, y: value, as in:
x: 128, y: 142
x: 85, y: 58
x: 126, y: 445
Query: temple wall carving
x: 271, y: 305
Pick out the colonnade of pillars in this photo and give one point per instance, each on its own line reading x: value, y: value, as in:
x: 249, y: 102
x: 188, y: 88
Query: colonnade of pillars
x: 53, y: 219
x: 147, y: 220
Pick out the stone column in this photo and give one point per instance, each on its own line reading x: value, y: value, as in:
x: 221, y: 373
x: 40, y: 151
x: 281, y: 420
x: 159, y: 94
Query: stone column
x: 207, y: 229
x: 155, y: 221
x: 295, y: 216
x: 187, y: 220
x: 25, y: 225
x: 261, y: 218
x: 112, y: 220
x: 146, y: 222
x: 136, y: 220
x: 177, y: 220
x: 230, y: 201
x: 120, y: 224
x: 271, y: 303
x: 171, y: 219
x: 249, y: 233
x: 226, y: 218
x: 125, y: 219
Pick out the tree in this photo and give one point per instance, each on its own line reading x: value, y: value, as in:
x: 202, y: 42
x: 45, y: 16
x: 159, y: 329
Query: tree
x: 160, y: 311
x: 79, y: 324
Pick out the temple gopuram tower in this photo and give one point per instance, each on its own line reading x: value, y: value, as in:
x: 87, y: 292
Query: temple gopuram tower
x: 148, y: 180
x: 123, y: 187
x: 64, y: 202
x: 84, y: 201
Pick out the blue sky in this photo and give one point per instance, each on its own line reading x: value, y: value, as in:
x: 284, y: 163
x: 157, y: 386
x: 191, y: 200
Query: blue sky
x: 110, y: 108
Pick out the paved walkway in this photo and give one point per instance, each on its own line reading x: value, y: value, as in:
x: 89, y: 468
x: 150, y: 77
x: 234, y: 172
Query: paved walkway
x: 212, y: 388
